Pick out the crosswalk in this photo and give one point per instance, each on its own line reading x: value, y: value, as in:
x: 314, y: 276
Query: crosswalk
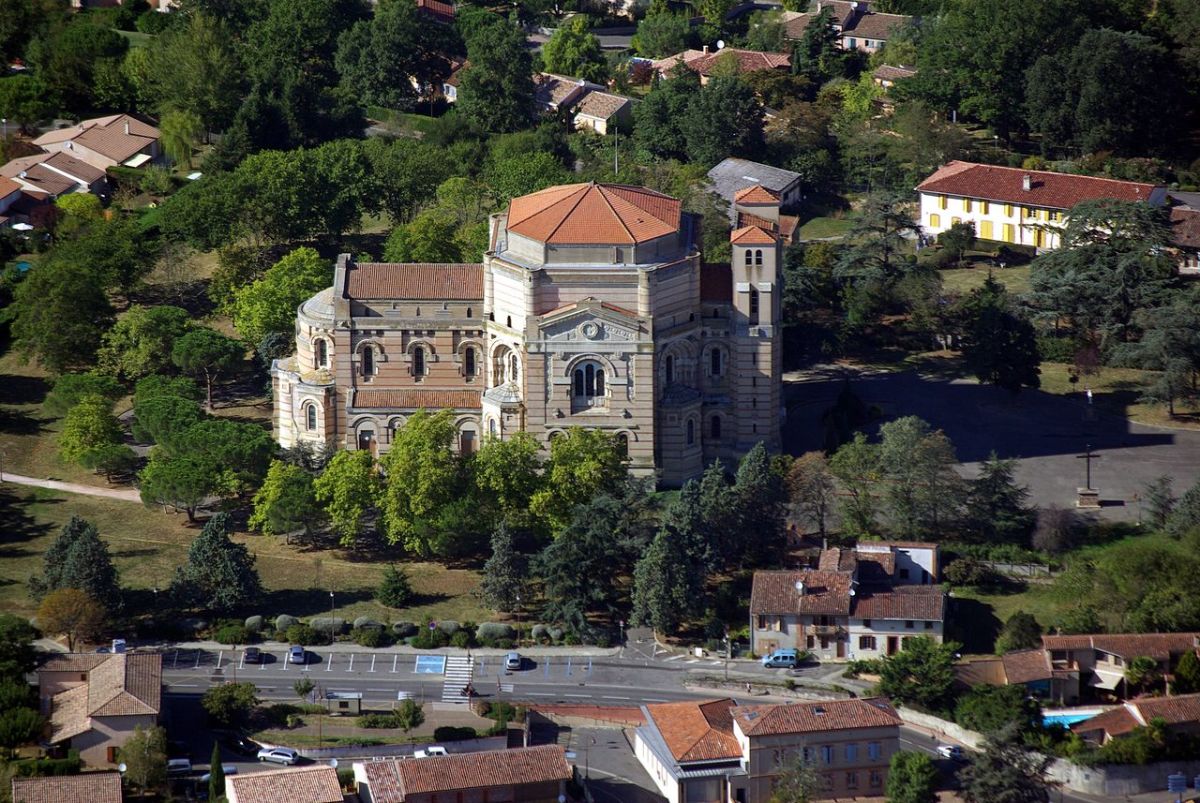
x: 458, y: 675
x: 688, y: 660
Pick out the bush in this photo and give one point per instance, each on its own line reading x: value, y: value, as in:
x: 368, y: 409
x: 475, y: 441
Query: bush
x: 427, y: 639
x: 46, y: 767
x: 372, y: 637
x: 448, y: 626
x: 326, y: 625
x: 232, y: 634
x: 366, y: 621
x: 294, y: 721
x: 571, y: 640
x: 345, y: 776
x: 494, y: 631
x: 1057, y: 349
x: 405, y: 629
x: 283, y: 622
x: 555, y: 633
x: 254, y: 624
x: 453, y: 733
x: 504, y: 644
x: 302, y: 635
x: 157, y: 181
x: 967, y: 571
x: 539, y: 633
x: 869, y: 666
x: 376, y: 721
x: 461, y: 639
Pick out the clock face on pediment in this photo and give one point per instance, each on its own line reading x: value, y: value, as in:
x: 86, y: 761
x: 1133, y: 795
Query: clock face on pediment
x: 590, y: 330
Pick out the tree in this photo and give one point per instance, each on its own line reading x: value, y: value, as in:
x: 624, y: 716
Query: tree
x: 496, y: 89
x: 812, y: 489
x: 658, y: 119
x: 219, y: 575
x: 1055, y: 530
x: 59, y: 313
x: 180, y: 131
x: 19, y: 726
x: 269, y: 304
x: 662, y: 34
x: 817, y: 55
x: 797, y: 782
x: 527, y: 173
x: 856, y: 467
x: 992, y: 709
x: 408, y: 173
x: 424, y: 478
x: 195, y: 69
x: 999, y: 345
x: 922, y: 673
x: 574, y: 50
x: 722, y: 119
x: 216, y: 773
x: 666, y: 587
x: 767, y: 32
x: 286, y: 502
x: 303, y: 688
x: 208, y: 352
x: 995, y: 508
x: 1005, y: 771
x: 1186, y: 678
x: 1159, y: 500
x: 1142, y: 673
x: 24, y: 100
x: 395, y: 591
x: 140, y: 342
x: 17, y: 655
x: 79, y: 559
x: 1185, y: 516
x: 877, y: 239
x: 507, y: 473
x: 69, y: 389
x: 912, y: 778
x: 69, y: 56
x: 923, y: 490
x: 957, y: 239
x: 347, y: 489
x: 1020, y: 632
x: 1170, y: 344
x: 88, y: 427
x: 72, y: 613
x: 229, y: 705
x: 144, y: 755
x: 408, y: 714
x: 759, y: 497
x: 163, y: 418
x: 428, y: 238
x: 583, y: 464
x: 504, y: 573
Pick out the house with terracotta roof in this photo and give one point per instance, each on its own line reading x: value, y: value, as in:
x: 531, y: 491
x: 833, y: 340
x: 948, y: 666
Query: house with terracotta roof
x: 600, y: 111
x: 1179, y: 714
x: 1016, y: 206
x: 437, y: 10
x: 593, y: 307
x: 858, y: 27
x: 705, y: 62
x: 733, y: 175
x: 1088, y: 666
x: 10, y: 193
x: 887, y: 75
x: 55, y: 174
x: 105, y: 142
x: 716, y: 750
x: 552, y: 93
x: 95, y: 701
x: 521, y: 775
x: 453, y: 78
x: 313, y: 784
x: 854, y: 605
x: 1185, y: 236
x: 87, y: 787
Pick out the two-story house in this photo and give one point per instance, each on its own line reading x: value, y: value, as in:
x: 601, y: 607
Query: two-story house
x: 1087, y: 665
x: 861, y: 603
x: 858, y: 27
x: 1180, y: 714
x: 1016, y: 206
x: 716, y: 751
x: 521, y: 775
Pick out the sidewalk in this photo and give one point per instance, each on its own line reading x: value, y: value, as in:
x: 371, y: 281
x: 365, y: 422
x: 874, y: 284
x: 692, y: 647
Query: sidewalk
x: 125, y: 495
x: 346, y: 647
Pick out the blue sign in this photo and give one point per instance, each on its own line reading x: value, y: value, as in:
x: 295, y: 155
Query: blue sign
x: 430, y: 665
x: 1177, y: 782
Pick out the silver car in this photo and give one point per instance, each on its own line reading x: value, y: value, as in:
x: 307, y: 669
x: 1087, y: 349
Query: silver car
x: 513, y: 661
x: 279, y: 755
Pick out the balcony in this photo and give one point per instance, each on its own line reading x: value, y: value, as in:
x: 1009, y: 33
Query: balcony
x: 825, y: 630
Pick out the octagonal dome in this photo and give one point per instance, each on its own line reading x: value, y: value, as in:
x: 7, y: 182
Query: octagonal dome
x: 594, y: 214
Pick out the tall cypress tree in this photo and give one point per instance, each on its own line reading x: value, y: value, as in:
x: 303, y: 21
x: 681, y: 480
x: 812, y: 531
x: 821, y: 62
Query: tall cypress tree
x: 503, y: 572
x: 666, y: 586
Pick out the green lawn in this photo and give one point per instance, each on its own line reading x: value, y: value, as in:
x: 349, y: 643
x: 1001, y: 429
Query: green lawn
x: 1116, y: 391
x: 964, y: 280
x: 821, y: 227
x: 137, y: 38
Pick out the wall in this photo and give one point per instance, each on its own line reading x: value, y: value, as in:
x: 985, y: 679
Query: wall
x: 1119, y: 780
x: 662, y: 778
x: 997, y: 215
x: 847, y: 774
x: 941, y: 726
x: 107, y: 732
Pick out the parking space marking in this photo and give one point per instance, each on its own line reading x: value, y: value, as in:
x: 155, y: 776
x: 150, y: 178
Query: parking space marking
x: 242, y: 660
x: 220, y: 655
x: 285, y: 661
x: 175, y: 664
x: 329, y: 663
x: 372, y: 669
x: 197, y: 666
x: 395, y: 658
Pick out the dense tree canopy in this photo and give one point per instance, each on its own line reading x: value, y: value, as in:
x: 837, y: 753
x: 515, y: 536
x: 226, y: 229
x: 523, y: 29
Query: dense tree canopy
x: 496, y: 90
x: 219, y: 574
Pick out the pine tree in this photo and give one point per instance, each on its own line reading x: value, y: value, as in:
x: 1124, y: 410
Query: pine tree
x: 759, y: 498
x: 216, y: 774
x: 79, y: 559
x: 996, y: 508
x: 504, y: 572
x: 666, y: 586
x: 56, y: 557
x: 219, y: 574
x: 999, y: 345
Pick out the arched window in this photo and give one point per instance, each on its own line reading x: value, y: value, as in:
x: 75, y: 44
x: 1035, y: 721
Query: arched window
x: 492, y: 427
x: 368, y: 361
x: 588, y: 383
x: 691, y: 432
x: 715, y: 427
x: 715, y: 358
x: 418, y: 361
x: 514, y: 368
x: 508, y: 322
x: 753, y: 307
x: 670, y: 372
x: 310, y: 417
x: 758, y: 259
x: 623, y: 444
x: 749, y: 258
x: 469, y: 366
x: 322, y: 353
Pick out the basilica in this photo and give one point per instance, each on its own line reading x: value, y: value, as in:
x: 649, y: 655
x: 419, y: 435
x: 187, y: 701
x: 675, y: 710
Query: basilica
x: 593, y: 307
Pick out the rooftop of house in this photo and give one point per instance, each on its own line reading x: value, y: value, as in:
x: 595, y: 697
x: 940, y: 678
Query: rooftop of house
x: 916, y: 603
x: 1026, y: 666
x: 752, y: 235
x: 600, y: 105
x: 587, y: 214
x: 415, y: 281
x: 843, y: 587
x: 696, y: 731
x: 1179, y: 709
x: 392, y: 781
x: 746, y: 60
x: 756, y: 194
x: 1159, y: 646
x: 1185, y: 226
x: 117, y: 136
x: 117, y: 685
x: 732, y: 175
x: 852, y: 18
x: 88, y: 787
x: 415, y: 399
x: 1046, y: 189
x: 805, y: 591
x: 889, y: 72
x: 552, y: 90
x: 8, y: 187
x: 817, y: 717
x: 442, y: 12
x: 315, y: 784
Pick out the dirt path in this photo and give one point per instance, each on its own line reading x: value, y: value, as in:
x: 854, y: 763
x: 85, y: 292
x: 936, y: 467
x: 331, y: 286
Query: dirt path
x: 125, y: 495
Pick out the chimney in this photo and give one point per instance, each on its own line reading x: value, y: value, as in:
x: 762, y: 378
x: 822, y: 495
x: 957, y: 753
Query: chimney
x: 800, y: 587
x: 706, y: 50
x: 1027, y: 182
x: 126, y: 128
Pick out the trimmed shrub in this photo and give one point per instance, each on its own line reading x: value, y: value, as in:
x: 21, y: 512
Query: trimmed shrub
x: 376, y: 721
x: 404, y: 629
x: 370, y: 637
x: 448, y: 626
x: 494, y: 631
x: 254, y: 624
x: 294, y: 721
x: 45, y: 767
x: 571, y: 640
x: 232, y: 634
x: 453, y: 733
x: 555, y: 633
x: 283, y: 622
x: 504, y: 643
x: 323, y: 624
x: 539, y: 633
x: 302, y: 635
x: 366, y: 621
x: 460, y: 639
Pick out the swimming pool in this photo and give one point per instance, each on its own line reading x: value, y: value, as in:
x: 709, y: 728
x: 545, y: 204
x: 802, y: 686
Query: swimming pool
x: 1067, y: 718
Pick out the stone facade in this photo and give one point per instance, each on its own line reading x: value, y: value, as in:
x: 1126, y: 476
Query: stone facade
x: 592, y: 308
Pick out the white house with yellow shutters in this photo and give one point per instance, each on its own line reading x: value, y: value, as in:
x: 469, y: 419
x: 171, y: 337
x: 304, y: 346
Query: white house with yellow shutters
x: 1012, y: 205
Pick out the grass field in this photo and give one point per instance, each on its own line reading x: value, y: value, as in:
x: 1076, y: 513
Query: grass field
x: 964, y: 280
x: 1116, y: 391
x: 821, y: 227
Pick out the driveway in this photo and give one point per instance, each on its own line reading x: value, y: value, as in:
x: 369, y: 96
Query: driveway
x: 1042, y: 431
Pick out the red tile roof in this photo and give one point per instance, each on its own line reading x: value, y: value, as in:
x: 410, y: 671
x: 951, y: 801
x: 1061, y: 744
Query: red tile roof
x: 394, y: 781
x: 1180, y: 709
x: 751, y: 235
x: 1159, y: 646
x: 828, y: 715
x: 584, y: 214
x: 444, y: 12
x: 89, y: 787
x: 775, y: 592
x: 747, y: 60
x: 317, y: 784
x: 117, y: 685
x: 756, y: 194
x: 902, y: 602
x: 8, y: 187
x: 1048, y: 190
x: 416, y: 399
x: 696, y: 731
x: 716, y: 283
x: 1026, y: 666
x: 1114, y: 722
x: 1185, y: 227
x: 415, y: 281
x: 600, y: 105
x: 887, y: 72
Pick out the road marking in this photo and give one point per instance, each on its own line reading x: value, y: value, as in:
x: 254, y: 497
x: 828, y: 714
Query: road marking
x: 183, y: 685
x: 329, y: 663
x: 197, y: 666
x: 378, y: 689
x: 176, y: 663
x: 568, y: 666
x: 655, y: 700
x: 616, y: 698
x: 395, y: 658
x: 351, y: 661
x: 372, y: 669
x: 672, y: 658
x: 242, y: 661
x: 540, y: 694
x: 568, y: 694
x: 285, y: 661
x: 220, y: 655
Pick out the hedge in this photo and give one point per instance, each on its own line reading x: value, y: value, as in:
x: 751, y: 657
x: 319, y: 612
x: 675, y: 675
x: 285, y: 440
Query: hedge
x: 448, y: 626
x: 254, y: 624
x: 453, y: 733
x: 283, y: 622
x: 324, y: 624
x: 405, y: 629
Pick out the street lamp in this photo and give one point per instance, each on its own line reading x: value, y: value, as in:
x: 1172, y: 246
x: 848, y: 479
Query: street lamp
x: 518, y: 599
x: 331, y: 618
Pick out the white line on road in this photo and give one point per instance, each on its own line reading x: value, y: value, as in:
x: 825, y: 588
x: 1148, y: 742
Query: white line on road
x: 372, y: 669
x: 395, y: 658
x: 655, y: 700
x: 616, y: 698
x: 220, y: 655
x: 351, y: 661
x: 242, y: 661
x: 183, y: 685
x: 576, y: 695
x: 197, y: 666
x: 540, y: 694
x: 378, y: 689
x: 329, y: 663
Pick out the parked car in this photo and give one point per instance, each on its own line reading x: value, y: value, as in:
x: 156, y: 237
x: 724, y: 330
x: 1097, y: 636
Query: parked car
x: 513, y: 661
x: 432, y: 750
x: 252, y: 655
x: 297, y: 654
x: 279, y: 755
x: 179, y: 766
x: 241, y: 745
x: 951, y: 751
x: 781, y: 659
x: 228, y: 769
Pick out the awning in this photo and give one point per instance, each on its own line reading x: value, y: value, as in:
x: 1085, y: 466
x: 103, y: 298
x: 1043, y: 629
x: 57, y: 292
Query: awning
x: 1100, y: 681
x: 138, y: 160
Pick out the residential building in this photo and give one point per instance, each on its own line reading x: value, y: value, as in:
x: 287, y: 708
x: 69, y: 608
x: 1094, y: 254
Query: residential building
x: 95, y: 701
x: 55, y: 174
x: 88, y: 787
x: 592, y: 308
x: 1013, y: 205
x: 450, y: 85
x: 855, y: 605
x: 105, y: 142
x: 704, y: 62
x: 715, y: 751
x: 732, y: 175
x: 314, y: 784
x: 1179, y: 713
x: 887, y: 76
x: 552, y: 93
x: 1185, y: 236
x: 1085, y: 665
x: 437, y: 10
x: 520, y: 775
x: 600, y: 111
x: 1029, y: 668
x: 10, y: 193
x: 858, y: 27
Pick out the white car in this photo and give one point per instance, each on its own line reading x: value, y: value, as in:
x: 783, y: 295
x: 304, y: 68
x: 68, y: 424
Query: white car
x: 951, y: 751
x: 279, y: 755
x: 432, y: 750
